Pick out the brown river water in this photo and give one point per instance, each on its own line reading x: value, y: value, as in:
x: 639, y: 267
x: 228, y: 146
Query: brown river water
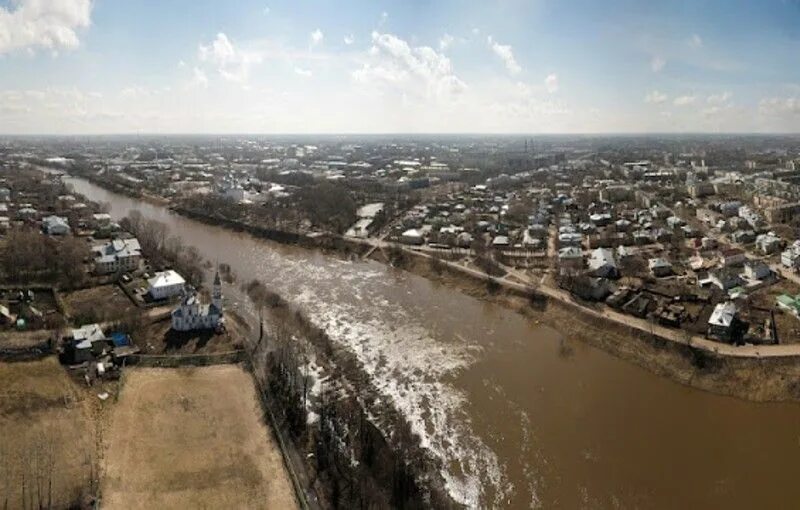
x: 522, y: 417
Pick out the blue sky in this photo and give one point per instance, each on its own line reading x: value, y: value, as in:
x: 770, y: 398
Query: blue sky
x: 531, y: 66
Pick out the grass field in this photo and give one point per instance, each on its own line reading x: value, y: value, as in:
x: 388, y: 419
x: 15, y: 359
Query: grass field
x: 191, y: 438
x: 47, y: 437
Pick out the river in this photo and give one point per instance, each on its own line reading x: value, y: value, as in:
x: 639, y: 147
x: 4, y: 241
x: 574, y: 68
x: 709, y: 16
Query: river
x: 521, y: 416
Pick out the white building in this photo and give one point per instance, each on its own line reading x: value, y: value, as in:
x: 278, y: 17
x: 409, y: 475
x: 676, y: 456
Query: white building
x: 768, y: 243
x: 721, y: 322
x: 411, y: 236
x: 166, y: 284
x: 756, y: 270
x: 602, y: 263
x: 101, y: 219
x: 55, y: 226
x: 791, y: 257
x: 192, y: 315
x: 119, y: 255
x: 659, y: 267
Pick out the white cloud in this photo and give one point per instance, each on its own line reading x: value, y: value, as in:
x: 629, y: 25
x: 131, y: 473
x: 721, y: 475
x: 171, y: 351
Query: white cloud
x: 551, y: 83
x: 655, y: 97
x: 446, y: 41
x: 419, y: 72
x: 303, y: 72
x: 349, y: 39
x: 384, y: 17
x: 48, y: 24
x: 506, y: 54
x: 199, y: 77
x: 132, y: 92
x: 718, y: 99
x: 232, y: 63
x: 695, y: 41
x: 776, y: 106
x: 657, y: 64
x: 525, y: 102
x: 316, y: 37
x: 684, y: 100
x: 266, y: 10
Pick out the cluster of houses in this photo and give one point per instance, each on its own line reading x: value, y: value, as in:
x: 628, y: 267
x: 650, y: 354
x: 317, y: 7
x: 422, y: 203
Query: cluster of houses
x: 479, y: 212
x: 104, y: 351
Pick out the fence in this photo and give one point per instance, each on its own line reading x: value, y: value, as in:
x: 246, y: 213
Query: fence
x: 27, y: 353
x: 184, y: 360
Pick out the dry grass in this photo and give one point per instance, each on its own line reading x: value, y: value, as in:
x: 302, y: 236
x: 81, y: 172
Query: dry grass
x: 192, y: 438
x: 46, y: 434
x: 99, y: 304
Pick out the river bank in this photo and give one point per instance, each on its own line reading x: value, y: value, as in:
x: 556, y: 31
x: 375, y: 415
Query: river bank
x: 756, y: 379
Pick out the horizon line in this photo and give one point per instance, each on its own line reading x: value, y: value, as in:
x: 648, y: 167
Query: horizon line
x: 401, y: 133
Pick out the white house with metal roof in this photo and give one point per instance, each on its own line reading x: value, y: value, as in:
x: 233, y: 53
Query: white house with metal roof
x: 166, y: 284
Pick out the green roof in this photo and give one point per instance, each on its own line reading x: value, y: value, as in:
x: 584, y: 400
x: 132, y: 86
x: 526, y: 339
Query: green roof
x: 789, y: 301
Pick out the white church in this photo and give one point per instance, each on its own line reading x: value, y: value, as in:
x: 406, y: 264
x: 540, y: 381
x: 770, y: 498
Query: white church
x: 192, y: 315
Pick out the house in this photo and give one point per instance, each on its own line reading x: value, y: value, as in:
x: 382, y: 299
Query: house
x: 768, y: 243
x: 81, y: 341
x: 6, y: 317
x: 570, y: 239
x: 756, y: 270
x: 730, y: 208
x: 709, y: 243
x: 789, y: 303
x: 791, y: 256
x: 622, y: 225
x: 623, y: 252
x: 675, y: 222
x: 165, y: 284
x: 603, y: 264
x: 464, y: 240
x: 101, y: 220
x: 26, y: 213
x: 596, y: 289
x: 600, y: 219
x: 570, y: 256
x: 732, y: 257
x: 751, y: 217
x: 411, y: 236
x: 659, y: 267
x: 90, y: 332
x: 724, y: 278
x: 500, y: 242
x: 5, y: 194
x: 55, y: 226
x: 722, y: 323
x: 192, y: 315
x: 119, y: 255
x: 743, y: 236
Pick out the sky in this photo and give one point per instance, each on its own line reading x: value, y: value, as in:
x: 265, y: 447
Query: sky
x: 405, y: 66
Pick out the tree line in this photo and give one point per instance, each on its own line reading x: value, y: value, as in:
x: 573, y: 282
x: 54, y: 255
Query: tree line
x: 163, y: 249
x: 356, y: 462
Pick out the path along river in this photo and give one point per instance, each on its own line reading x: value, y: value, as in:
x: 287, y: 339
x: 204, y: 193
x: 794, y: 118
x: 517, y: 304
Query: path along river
x: 521, y: 416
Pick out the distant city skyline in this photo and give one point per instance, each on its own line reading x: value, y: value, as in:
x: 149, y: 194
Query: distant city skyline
x: 516, y: 66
